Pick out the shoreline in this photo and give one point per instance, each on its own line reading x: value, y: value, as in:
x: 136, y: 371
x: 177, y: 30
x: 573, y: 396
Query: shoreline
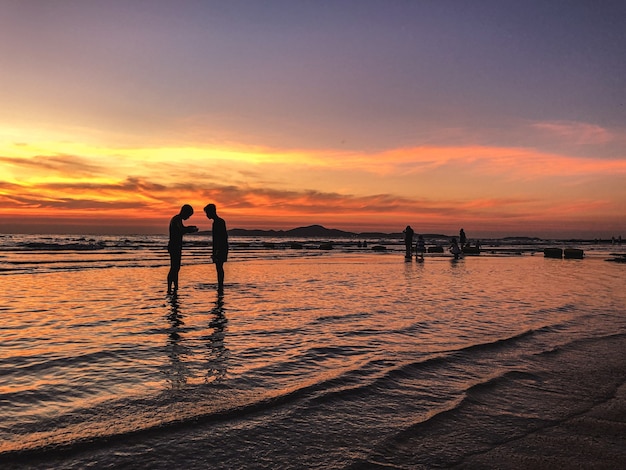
x: 582, y: 427
x: 582, y: 431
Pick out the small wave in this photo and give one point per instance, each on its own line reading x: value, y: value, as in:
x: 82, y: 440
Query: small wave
x: 504, y: 342
x: 25, y: 364
x: 52, y: 246
x: 442, y: 362
x: 119, y: 422
x: 344, y: 318
x: 498, y: 380
x: 577, y: 343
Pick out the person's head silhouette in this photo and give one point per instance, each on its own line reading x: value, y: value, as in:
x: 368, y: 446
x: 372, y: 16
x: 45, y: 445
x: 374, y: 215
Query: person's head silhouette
x: 210, y: 211
x: 186, y: 211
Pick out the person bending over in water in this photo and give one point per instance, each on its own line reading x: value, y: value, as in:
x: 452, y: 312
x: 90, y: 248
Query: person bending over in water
x: 175, y: 245
x: 455, y: 249
x: 220, y: 243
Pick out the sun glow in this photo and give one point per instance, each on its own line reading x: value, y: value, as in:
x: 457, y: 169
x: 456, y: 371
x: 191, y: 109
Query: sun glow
x: 435, y: 186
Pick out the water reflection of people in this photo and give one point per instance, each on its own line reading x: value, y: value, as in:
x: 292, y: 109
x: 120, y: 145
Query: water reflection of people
x: 182, y: 367
x: 220, y: 243
x: 218, y: 353
x: 175, y: 246
x: 178, y: 373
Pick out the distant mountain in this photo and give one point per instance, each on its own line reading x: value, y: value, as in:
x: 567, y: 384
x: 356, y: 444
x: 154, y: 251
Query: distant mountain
x: 311, y: 231
x: 318, y: 231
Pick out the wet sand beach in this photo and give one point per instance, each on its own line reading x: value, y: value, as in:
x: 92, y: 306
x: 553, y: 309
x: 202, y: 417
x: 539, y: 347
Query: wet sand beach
x: 579, y: 420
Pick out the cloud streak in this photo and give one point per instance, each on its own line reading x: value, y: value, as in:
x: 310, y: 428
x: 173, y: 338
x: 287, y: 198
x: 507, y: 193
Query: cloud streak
x: 439, y: 186
x: 54, y: 164
x: 577, y: 132
x: 152, y: 203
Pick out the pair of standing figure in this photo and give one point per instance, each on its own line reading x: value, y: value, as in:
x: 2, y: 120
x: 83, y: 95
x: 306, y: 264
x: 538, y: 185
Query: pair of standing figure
x: 175, y: 246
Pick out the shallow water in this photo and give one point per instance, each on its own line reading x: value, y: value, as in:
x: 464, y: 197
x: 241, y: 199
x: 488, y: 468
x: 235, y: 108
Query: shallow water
x: 308, y: 359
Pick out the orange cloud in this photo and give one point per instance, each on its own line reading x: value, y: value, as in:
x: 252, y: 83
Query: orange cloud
x: 437, y: 187
x: 55, y: 164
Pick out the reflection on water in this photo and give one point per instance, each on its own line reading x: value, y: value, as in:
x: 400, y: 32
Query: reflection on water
x: 186, y: 352
x: 114, y: 340
x: 178, y: 373
x: 218, y: 353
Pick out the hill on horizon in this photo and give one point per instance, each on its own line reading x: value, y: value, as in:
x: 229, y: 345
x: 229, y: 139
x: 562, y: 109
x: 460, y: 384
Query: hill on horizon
x: 298, y: 232
x: 319, y: 231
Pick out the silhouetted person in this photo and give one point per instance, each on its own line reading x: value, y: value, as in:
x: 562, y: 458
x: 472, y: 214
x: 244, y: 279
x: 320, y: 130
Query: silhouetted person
x: 220, y: 243
x: 455, y: 249
x: 175, y: 245
x: 408, y: 240
x: 462, y: 238
x: 420, y: 248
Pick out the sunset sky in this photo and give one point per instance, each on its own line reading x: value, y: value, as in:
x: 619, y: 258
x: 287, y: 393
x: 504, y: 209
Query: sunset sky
x: 502, y: 117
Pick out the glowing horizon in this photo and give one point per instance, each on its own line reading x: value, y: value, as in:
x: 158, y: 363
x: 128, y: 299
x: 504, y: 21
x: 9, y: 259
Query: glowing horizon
x: 268, y: 189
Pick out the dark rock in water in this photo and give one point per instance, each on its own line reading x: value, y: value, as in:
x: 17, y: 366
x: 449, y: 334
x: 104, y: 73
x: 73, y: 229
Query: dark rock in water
x: 435, y: 249
x: 471, y: 250
x: 296, y: 246
x: 553, y: 253
x: 573, y: 253
x: 326, y: 246
x: 379, y: 248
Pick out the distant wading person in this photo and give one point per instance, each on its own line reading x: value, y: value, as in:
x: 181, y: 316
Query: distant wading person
x: 175, y: 245
x: 220, y: 243
x: 455, y: 249
x: 408, y: 240
x: 462, y: 238
x: 420, y: 248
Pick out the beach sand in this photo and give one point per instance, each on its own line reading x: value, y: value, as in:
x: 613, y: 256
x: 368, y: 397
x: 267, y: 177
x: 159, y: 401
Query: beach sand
x: 592, y: 434
x: 595, y: 439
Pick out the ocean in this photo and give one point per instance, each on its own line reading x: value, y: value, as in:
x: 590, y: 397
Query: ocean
x: 342, y: 358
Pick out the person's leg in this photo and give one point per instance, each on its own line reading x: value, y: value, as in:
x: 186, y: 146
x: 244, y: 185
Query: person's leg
x: 172, y: 276
x: 219, y: 267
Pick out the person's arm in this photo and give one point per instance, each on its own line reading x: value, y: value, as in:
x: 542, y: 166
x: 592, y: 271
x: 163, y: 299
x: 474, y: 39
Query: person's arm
x: 187, y: 228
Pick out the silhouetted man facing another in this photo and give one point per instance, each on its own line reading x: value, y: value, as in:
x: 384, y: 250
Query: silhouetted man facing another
x: 220, y: 243
x: 175, y: 245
